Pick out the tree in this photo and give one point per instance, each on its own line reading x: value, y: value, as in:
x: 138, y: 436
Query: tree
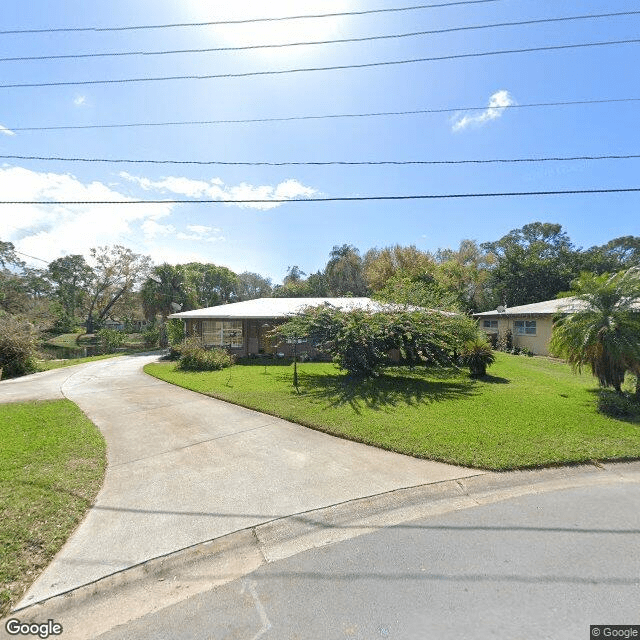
x: 70, y: 276
x: 534, y: 263
x: 14, y: 297
x: 166, y: 284
x: 210, y: 285
x: 116, y: 272
x: 253, y: 285
x: 380, y: 265
x: 605, y: 334
x: 344, y: 272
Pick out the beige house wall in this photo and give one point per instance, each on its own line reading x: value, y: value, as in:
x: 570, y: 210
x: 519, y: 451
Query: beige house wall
x: 538, y: 343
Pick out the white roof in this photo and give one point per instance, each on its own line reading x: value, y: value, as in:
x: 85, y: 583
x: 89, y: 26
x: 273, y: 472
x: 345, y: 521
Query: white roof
x: 548, y: 307
x: 282, y: 307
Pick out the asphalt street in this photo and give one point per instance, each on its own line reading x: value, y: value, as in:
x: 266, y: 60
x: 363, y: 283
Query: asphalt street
x: 542, y: 566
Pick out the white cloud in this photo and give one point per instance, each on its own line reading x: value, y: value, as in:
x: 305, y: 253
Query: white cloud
x: 497, y: 103
x: 80, y: 100
x: 7, y: 132
x: 215, y: 189
x: 52, y: 230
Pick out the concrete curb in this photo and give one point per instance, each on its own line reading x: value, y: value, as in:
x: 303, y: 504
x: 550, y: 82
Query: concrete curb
x: 93, y: 609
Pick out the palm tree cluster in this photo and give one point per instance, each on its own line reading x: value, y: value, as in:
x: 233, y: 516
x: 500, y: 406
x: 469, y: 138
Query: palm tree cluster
x: 604, y: 333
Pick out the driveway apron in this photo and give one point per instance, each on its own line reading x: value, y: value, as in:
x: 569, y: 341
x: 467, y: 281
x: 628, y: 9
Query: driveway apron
x: 184, y: 468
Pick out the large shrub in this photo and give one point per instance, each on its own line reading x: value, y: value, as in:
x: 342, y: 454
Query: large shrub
x: 18, y: 346
x: 110, y: 340
x: 194, y: 357
x: 360, y: 341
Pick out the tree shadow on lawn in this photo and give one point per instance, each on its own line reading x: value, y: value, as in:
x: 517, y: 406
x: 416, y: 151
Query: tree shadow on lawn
x: 386, y: 391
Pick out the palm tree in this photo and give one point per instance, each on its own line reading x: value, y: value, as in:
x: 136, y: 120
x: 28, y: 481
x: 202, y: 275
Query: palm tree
x: 604, y: 332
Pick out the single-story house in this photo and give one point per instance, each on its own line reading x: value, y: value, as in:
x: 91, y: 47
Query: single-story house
x: 243, y: 327
x: 531, y: 325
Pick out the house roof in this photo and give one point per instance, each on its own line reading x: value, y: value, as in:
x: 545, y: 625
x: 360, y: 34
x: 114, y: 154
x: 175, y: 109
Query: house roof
x: 548, y: 307
x: 282, y: 307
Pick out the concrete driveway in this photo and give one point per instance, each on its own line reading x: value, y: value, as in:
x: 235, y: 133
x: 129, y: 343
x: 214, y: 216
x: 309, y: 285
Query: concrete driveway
x: 184, y: 468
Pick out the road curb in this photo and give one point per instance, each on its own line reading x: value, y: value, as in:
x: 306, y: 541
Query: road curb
x: 155, y: 584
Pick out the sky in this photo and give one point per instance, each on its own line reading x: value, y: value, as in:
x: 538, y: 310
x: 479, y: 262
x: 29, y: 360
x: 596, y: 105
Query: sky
x: 268, y: 238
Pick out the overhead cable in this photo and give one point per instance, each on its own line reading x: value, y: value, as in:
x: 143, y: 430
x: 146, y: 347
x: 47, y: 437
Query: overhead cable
x: 212, y: 23
x: 320, y: 162
x: 441, y: 196
x: 413, y: 34
x: 372, y: 114
x: 384, y: 63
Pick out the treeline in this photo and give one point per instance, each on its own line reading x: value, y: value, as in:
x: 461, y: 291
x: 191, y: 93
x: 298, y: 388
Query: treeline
x: 526, y: 265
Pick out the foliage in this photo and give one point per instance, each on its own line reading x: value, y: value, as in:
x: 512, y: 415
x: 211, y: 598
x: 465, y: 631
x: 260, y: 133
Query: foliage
x: 477, y: 355
x: 70, y: 276
x: 534, y: 263
x: 151, y: 336
x: 115, y: 273
x: 605, y: 334
x: 18, y: 346
x: 194, y: 357
x: 360, y: 341
x: 344, y: 273
x: 618, y: 405
x: 110, y: 340
x: 252, y: 286
x: 175, y: 331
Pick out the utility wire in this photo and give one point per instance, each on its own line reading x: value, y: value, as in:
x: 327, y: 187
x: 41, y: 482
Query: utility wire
x: 373, y: 114
x: 412, y: 34
x: 442, y: 196
x: 245, y: 20
x: 323, y: 163
x: 306, y: 69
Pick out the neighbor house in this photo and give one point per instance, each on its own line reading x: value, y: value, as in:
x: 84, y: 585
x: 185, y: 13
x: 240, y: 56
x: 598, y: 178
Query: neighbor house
x: 531, y: 325
x: 244, y: 327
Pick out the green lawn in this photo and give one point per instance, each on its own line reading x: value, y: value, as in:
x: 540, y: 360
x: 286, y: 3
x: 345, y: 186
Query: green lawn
x: 529, y: 412
x: 52, y: 463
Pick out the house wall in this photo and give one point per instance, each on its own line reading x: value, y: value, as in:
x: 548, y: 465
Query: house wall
x: 538, y: 343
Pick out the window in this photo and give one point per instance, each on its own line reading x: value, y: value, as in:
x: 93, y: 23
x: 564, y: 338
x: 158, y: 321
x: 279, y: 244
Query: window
x: 490, y: 324
x: 222, y: 333
x: 524, y: 327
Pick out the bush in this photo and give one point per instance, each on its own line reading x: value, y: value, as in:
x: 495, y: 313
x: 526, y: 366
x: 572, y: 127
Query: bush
x: 175, y: 331
x: 618, y: 405
x: 151, y: 336
x: 360, y: 341
x: 18, y: 347
x: 110, y: 340
x: 477, y: 355
x: 194, y: 357
x: 505, y: 341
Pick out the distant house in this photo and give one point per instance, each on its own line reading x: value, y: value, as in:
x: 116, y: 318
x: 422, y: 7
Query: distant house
x: 243, y: 327
x: 530, y: 324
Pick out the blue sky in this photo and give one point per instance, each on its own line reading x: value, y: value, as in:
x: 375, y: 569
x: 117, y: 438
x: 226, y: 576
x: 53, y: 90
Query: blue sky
x: 269, y: 238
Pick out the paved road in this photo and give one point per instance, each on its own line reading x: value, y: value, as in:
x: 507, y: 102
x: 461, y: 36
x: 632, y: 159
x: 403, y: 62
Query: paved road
x: 543, y: 566
x: 184, y: 468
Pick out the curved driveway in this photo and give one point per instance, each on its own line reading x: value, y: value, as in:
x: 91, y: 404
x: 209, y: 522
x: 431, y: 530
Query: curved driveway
x: 184, y: 468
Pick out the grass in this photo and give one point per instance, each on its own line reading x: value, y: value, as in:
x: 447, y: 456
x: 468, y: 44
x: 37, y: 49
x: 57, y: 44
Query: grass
x: 46, y: 365
x: 52, y: 463
x: 69, y: 340
x: 529, y: 412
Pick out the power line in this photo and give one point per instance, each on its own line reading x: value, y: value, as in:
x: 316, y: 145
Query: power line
x: 245, y: 20
x: 307, y: 69
x: 412, y: 34
x: 28, y: 256
x: 442, y: 196
x: 324, y: 163
x: 373, y: 114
